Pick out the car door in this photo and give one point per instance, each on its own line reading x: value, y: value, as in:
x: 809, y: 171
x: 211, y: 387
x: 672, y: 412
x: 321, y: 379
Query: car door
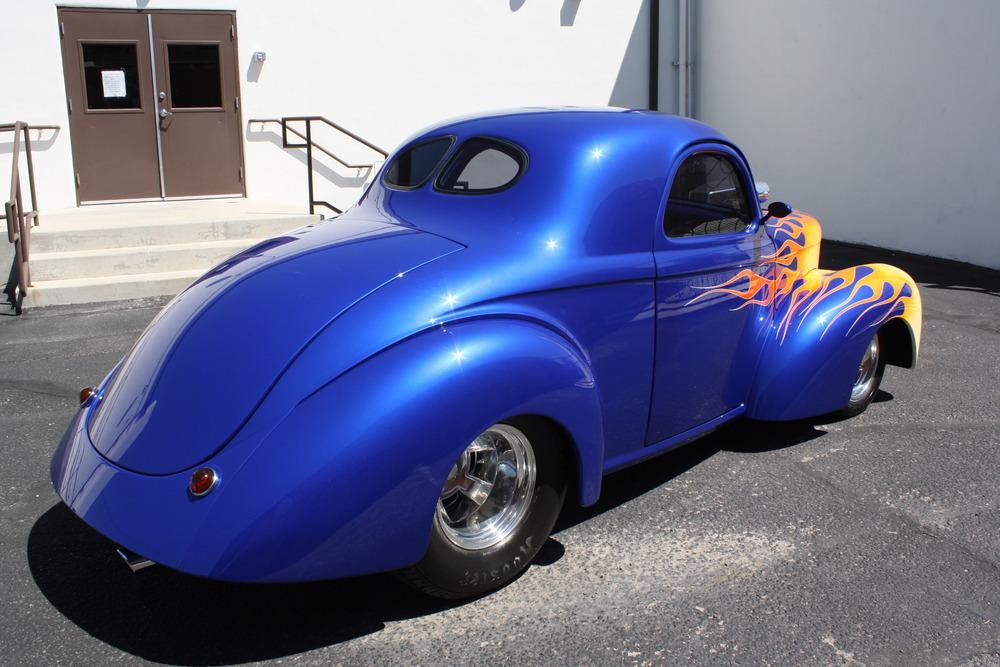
x: 712, y: 292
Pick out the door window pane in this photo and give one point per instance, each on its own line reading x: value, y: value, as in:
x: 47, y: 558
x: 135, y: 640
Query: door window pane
x: 194, y: 75
x: 111, y: 74
x: 707, y: 197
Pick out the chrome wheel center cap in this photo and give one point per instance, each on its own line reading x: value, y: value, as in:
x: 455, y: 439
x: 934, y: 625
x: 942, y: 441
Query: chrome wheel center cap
x: 489, y: 489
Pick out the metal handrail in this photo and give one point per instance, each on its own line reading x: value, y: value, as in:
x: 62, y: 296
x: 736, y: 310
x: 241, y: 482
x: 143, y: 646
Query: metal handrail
x: 19, y: 221
x: 309, y: 144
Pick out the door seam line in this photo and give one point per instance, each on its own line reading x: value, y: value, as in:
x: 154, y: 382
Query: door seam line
x: 156, y: 105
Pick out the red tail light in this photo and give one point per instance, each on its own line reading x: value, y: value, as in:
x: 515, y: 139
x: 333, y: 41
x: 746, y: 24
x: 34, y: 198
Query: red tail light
x: 203, y: 480
x: 85, y: 394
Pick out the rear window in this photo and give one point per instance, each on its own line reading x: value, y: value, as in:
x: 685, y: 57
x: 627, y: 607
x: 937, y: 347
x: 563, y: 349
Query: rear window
x: 482, y: 165
x: 413, y: 166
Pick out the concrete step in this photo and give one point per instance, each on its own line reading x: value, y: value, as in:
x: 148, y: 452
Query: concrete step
x: 136, y: 250
x: 46, y: 266
x: 108, y: 288
x: 60, y: 239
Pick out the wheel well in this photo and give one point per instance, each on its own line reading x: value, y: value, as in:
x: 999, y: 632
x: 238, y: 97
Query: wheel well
x: 561, y: 439
x: 896, y: 340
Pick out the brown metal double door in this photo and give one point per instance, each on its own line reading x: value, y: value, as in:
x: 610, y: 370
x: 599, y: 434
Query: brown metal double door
x: 154, y: 103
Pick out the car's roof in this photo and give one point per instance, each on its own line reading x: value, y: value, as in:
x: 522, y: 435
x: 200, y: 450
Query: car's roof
x: 600, y: 172
x: 576, y: 122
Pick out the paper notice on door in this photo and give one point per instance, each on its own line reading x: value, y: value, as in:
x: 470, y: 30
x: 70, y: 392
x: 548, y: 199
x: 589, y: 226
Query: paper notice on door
x: 114, y: 82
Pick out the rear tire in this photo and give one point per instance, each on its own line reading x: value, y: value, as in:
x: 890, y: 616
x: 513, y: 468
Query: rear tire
x: 868, y: 380
x: 495, y: 512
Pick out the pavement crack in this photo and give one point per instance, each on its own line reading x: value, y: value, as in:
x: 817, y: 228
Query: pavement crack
x: 43, y: 387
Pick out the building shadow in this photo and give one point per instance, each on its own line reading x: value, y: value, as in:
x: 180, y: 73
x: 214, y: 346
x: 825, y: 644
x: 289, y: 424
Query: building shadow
x: 10, y: 304
x: 41, y: 140
x: 567, y: 13
x: 165, y: 616
x: 930, y: 272
x: 631, y: 87
x: 253, y: 70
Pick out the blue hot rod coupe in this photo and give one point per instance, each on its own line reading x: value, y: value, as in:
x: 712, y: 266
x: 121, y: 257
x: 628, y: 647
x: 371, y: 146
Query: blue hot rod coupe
x: 519, y: 304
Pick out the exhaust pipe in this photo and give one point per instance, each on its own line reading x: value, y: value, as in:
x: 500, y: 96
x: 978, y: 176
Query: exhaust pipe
x: 134, y: 561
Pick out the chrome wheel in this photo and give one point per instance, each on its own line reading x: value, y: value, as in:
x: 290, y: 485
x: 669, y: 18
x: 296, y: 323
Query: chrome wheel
x: 866, y: 372
x: 489, y: 489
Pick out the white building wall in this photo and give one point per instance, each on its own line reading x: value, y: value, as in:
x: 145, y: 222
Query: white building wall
x: 881, y: 118
x: 32, y: 90
x: 381, y: 68
x: 877, y: 117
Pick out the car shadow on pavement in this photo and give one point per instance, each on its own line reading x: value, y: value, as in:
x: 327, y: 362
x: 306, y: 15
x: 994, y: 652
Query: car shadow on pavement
x: 739, y: 436
x: 165, y: 616
x: 162, y: 615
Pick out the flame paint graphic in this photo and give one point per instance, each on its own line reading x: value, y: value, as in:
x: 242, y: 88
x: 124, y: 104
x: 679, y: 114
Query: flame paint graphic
x: 797, y: 288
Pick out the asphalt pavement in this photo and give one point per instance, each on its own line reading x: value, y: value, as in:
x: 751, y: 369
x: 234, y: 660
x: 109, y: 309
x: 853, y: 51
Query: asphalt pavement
x: 874, y: 540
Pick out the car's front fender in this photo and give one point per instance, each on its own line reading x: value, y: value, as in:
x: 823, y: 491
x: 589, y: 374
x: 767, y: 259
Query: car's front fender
x: 822, y: 323
x: 348, y: 482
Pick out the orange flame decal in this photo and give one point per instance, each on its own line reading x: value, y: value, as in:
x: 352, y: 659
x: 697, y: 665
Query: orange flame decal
x: 796, y: 287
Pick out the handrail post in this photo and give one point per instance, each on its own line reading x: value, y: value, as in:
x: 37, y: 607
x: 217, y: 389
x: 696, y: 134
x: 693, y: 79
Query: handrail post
x: 309, y: 145
x: 21, y: 246
x: 20, y: 221
x: 15, y: 184
x: 309, y: 162
x: 31, y: 172
x: 22, y: 236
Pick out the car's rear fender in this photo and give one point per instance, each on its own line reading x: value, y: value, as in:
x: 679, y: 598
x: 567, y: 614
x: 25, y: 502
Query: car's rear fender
x: 821, y: 326
x: 348, y: 482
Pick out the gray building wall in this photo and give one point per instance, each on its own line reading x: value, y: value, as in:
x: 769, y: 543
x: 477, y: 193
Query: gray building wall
x: 880, y: 118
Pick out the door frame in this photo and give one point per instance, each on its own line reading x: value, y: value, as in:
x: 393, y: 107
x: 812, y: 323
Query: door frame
x: 689, y: 254
x: 152, y: 64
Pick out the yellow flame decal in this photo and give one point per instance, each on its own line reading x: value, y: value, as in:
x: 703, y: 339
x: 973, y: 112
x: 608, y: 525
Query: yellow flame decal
x: 797, y: 287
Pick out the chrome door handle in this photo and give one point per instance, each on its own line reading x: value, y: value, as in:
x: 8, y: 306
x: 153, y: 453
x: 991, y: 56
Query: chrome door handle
x: 165, y: 114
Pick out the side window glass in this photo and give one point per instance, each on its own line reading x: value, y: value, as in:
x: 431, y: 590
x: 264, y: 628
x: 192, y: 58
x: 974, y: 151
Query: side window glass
x: 413, y: 166
x: 706, y: 197
x: 481, y: 165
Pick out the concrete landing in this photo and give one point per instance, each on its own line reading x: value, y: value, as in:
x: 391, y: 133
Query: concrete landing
x: 127, y: 251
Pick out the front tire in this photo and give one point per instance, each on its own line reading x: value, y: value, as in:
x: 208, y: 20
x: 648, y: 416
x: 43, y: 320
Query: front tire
x: 868, y: 380
x: 496, y: 509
